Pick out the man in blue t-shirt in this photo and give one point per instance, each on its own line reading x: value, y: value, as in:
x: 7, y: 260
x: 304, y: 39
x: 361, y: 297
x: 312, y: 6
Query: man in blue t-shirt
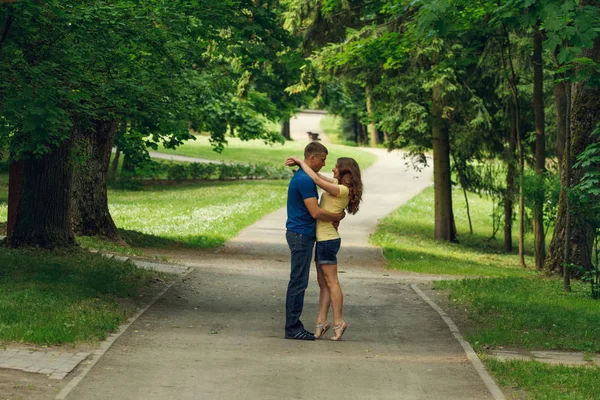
x: 303, y: 211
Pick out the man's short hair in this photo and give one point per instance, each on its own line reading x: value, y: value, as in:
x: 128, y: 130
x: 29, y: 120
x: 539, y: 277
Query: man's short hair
x: 314, y: 148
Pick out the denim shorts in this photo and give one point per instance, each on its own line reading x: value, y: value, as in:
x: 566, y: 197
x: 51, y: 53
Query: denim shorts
x: 326, y: 251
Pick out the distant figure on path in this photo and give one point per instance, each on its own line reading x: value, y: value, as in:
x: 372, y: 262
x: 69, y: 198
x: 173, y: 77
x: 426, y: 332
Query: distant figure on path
x: 344, y: 191
x: 302, y: 212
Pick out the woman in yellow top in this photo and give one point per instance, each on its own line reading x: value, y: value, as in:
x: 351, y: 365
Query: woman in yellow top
x: 344, y: 191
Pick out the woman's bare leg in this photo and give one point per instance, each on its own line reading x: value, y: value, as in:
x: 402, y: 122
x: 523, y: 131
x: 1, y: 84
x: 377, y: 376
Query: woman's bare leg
x: 335, y: 292
x: 324, y: 298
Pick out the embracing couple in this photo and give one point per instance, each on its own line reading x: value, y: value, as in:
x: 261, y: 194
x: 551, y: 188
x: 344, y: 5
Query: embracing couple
x: 311, y: 221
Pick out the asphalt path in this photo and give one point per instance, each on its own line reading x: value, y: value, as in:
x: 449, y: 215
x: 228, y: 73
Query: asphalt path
x: 218, y: 334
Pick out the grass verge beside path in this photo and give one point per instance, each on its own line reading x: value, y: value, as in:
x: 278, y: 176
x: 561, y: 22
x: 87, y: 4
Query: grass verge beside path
x: 406, y: 236
x: 50, y: 298
x: 256, y: 151
x: 506, y: 305
x: 532, y: 313
x: 549, y: 382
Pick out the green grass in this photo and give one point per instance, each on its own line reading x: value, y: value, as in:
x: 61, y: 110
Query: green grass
x: 50, y: 298
x: 195, y: 215
x: 331, y: 125
x: 406, y: 237
x: 531, y: 313
x: 549, y: 382
x: 257, y: 151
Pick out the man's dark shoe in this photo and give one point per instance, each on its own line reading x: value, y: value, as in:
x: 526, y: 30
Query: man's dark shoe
x: 302, y: 335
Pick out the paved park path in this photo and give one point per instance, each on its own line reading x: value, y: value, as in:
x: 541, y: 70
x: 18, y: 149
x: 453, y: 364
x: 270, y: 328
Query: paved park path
x: 218, y: 334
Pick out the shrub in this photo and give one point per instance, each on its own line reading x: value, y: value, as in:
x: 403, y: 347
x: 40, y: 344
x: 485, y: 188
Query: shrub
x: 178, y: 172
x: 201, y: 171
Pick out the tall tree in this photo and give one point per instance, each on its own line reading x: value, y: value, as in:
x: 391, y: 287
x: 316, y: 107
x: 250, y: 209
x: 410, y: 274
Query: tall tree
x: 540, y: 145
x: 578, y: 46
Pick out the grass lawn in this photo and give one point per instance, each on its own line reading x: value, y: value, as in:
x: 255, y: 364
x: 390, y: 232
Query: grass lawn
x: 197, y: 215
x: 331, y: 125
x: 531, y: 313
x: 406, y: 236
x: 549, y: 382
x: 50, y: 298
x: 256, y: 151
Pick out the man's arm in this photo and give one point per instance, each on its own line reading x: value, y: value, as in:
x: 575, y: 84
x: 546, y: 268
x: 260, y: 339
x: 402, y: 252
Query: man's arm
x: 322, y: 215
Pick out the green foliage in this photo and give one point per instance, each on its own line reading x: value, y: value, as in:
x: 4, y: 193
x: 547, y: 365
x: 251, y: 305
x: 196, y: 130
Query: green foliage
x: 153, y: 67
x: 207, y: 171
x: 545, y: 188
x: 586, y: 197
x: 156, y: 170
x: 48, y: 298
x: 177, y: 172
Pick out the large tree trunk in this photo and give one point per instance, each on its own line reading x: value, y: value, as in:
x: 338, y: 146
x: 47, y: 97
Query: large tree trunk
x: 44, y: 212
x: 15, y: 182
x: 90, y: 215
x: 285, y: 129
x: 444, y: 216
x: 560, y: 103
x: 540, y: 146
x: 584, y: 117
x: 372, y: 130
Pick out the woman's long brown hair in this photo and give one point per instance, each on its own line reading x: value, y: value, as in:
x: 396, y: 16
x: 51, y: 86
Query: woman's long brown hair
x: 350, y: 177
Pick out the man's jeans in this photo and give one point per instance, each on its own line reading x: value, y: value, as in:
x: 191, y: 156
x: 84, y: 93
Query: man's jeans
x: 301, y: 247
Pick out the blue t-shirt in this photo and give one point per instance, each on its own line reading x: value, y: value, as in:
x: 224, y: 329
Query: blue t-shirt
x: 299, y: 219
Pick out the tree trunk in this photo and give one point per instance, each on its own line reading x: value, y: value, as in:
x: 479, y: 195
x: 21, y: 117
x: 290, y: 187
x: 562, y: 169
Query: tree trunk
x: 114, y: 168
x: 468, y: 211
x: 363, y: 135
x: 372, y: 130
x: 584, y: 117
x: 560, y: 103
x: 90, y: 215
x: 285, y: 129
x: 509, y: 67
x: 511, y: 186
x: 15, y: 182
x: 44, y: 213
x: 540, y: 147
x: 444, y: 216
x: 567, y: 205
